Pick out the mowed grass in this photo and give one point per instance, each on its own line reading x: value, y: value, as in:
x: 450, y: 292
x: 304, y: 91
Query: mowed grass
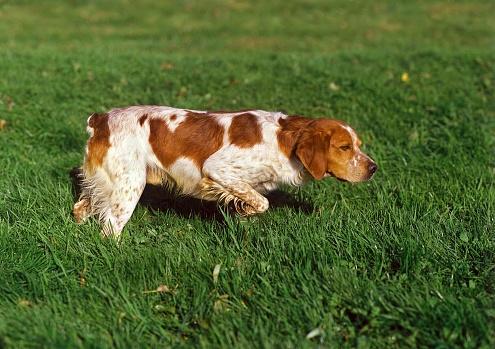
x: 406, y: 260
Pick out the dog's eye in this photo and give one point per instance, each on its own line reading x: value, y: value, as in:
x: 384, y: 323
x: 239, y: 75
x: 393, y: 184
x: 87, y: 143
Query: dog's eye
x: 345, y: 147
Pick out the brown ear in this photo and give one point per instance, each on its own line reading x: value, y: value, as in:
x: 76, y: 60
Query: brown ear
x: 311, y: 150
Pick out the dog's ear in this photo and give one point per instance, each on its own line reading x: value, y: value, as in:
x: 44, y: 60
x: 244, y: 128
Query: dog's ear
x: 312, y: 150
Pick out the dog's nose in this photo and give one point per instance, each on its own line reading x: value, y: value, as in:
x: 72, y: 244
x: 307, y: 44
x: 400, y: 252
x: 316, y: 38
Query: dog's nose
x: 372, y: 167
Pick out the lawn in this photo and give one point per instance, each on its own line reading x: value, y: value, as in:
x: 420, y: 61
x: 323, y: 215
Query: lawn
x: 405, y: 260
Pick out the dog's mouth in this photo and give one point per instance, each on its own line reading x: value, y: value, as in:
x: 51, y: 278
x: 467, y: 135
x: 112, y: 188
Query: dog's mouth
x: 330, y: 174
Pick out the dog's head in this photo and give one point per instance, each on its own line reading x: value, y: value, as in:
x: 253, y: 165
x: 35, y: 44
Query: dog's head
x: 330, y: 147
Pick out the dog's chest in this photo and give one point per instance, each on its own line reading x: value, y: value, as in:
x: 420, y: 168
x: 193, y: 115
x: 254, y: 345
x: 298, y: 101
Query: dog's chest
x: 263, y: 167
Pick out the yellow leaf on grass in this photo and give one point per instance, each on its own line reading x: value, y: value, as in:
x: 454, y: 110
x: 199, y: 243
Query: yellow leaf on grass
x: 167, y: 65
x: 82, y: 281
x: 216, y: 272
x: 221, y: 304
x: 24, y: 303
x: 162, y: 288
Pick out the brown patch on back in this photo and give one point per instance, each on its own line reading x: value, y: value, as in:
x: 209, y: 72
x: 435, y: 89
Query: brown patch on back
x: 142, y: 119
x: 245, y: 131
x: 173, y: 117
x: 196, y: 138
x: 290, y: 132
x: 99, y: 143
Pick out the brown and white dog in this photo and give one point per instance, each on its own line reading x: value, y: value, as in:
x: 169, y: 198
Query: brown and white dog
x: 218, y: 156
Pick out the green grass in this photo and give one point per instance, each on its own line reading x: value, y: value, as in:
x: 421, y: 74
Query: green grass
x: 406, y: 260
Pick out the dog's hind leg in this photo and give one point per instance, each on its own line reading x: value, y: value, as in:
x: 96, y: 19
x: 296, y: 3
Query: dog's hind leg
x: 121, y: 205
x: 112, y: 193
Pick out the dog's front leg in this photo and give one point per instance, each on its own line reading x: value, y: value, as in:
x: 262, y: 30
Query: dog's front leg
x: 247, y: 201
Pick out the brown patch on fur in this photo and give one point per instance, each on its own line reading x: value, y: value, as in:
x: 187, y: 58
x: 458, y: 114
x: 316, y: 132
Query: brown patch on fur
x: 290, y: 131
x: 173, y: 117
x: 142, y: 119
x: 99, y: 143
x: 314, y: 145
x: 196, y: 138
x: 312, y: 149
x: 245, y: 131
x: 338, y: 160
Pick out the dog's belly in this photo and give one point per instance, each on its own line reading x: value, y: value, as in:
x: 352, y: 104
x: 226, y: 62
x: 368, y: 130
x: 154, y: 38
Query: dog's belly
x: 185, y: 176
x: 232, y: 164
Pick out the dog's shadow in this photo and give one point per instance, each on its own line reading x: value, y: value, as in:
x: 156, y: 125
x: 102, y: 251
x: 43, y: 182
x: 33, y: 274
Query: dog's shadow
x: 160, y: 199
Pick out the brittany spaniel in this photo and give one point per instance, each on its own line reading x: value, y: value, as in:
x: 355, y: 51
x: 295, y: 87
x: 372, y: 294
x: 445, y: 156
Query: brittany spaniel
x: 219, y: 156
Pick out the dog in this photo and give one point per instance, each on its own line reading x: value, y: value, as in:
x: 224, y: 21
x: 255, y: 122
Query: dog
x: 228, y: 157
